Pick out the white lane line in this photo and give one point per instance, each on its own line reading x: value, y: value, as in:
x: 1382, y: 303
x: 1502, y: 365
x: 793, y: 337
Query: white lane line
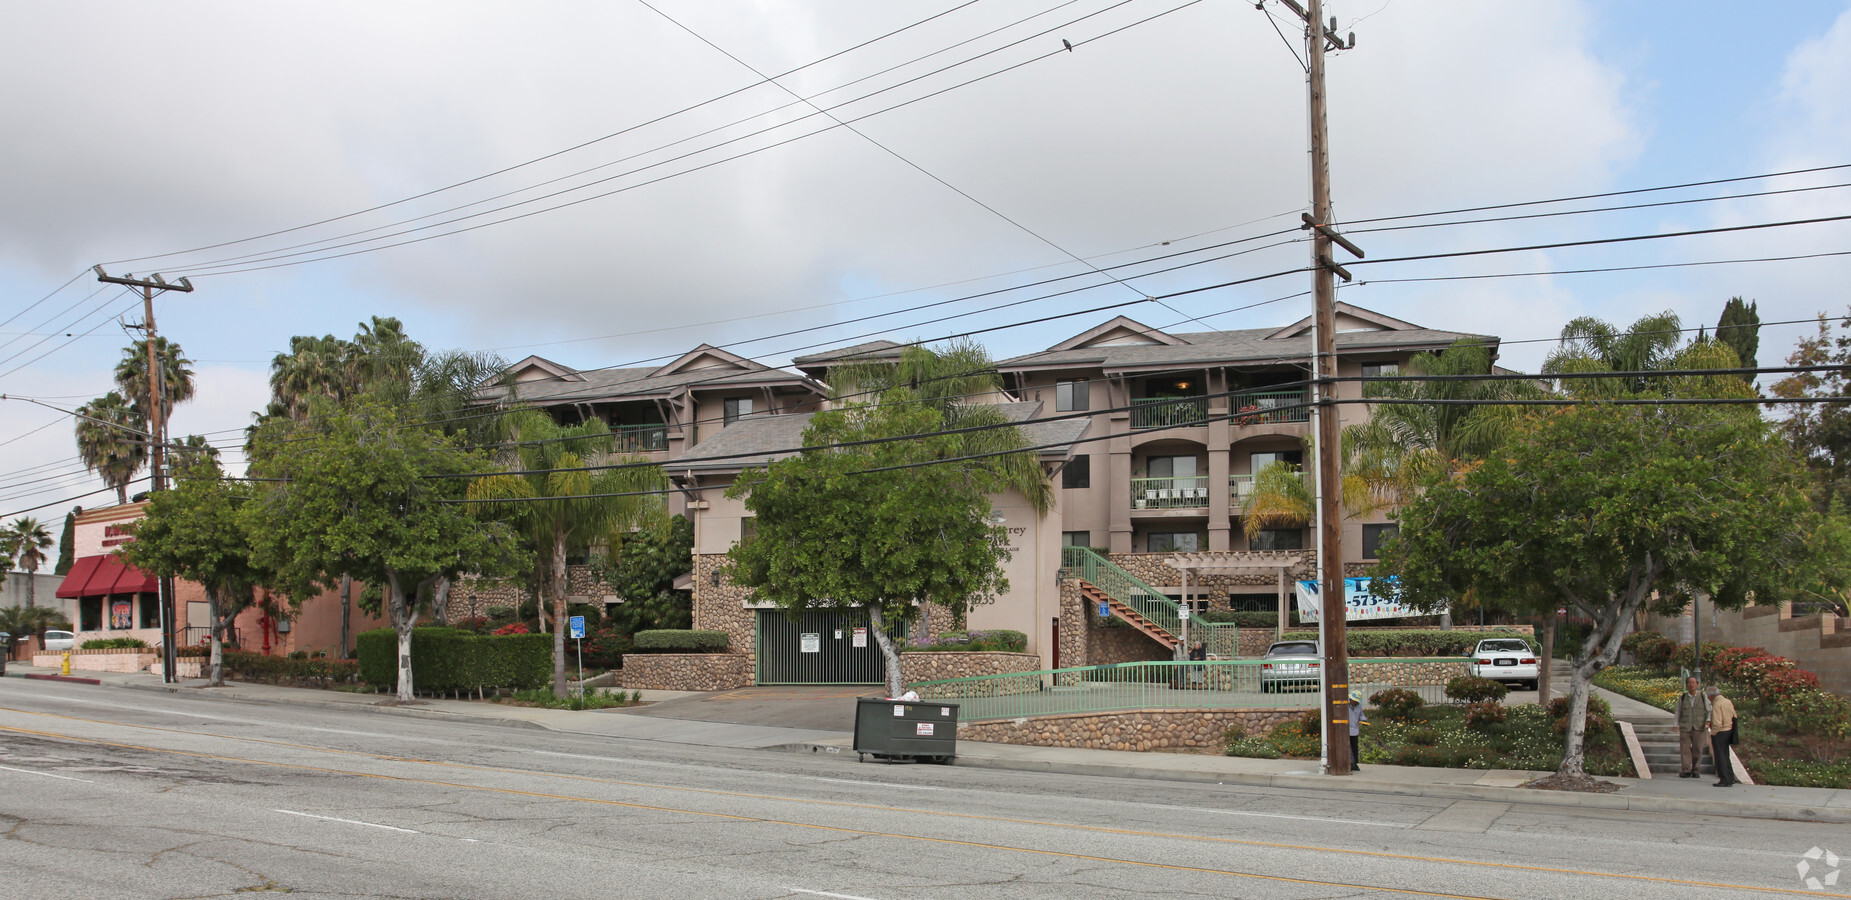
x: 47, y: 774
x: 878, y: 784
x: 291, y: 812
x: 827, y: 894
x: 1260, y: 815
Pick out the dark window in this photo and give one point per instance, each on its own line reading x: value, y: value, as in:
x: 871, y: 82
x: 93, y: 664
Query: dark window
x: 90, y: 614
x: 1253, y: 602
x: 1172, y: 542
x: 1078, y: 473
x: 1070, y: 396
x: 1172, y: 467
x: 1076, y: 539
x: 150, y: 610
x: 748, y: 528
x: 1372, y: 370
x: 1374, y: 535
x: 1258, y: 461
x: 734, y: 408
x: 1278, y: 539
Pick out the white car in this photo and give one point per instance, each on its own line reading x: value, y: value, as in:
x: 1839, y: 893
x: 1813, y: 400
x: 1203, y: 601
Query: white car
x: 58, y: 641
x: 1510, y: 660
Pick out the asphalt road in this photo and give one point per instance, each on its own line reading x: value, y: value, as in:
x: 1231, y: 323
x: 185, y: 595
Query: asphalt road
x: 118, y: 793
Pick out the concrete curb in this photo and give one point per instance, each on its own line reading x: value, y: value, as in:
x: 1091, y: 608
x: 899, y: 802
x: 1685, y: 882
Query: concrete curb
x: 69, y: 679
x: 1724, y: 808
x: 233, y: 694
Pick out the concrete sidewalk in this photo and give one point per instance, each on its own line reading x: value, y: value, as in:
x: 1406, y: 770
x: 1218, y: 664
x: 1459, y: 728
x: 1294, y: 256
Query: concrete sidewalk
x: 1672, y: 795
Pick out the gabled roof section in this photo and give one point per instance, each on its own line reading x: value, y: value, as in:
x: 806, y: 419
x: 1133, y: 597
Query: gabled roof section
x: 1119, y: 332
x: 860, y: 352
x: 534, y: 368
x: 1350, y: 319
x: 707, y: 356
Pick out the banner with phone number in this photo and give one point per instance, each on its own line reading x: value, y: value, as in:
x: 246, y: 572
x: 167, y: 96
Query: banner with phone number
x: 1362, y: 602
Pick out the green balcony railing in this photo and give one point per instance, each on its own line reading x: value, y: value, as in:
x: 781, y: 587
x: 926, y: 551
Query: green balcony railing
x: 1166, y: 412
x: 1260, y: 407
x: 640, y: 438
x: 1185, y: 492
x: 1220, y: 639
x: 1215, y: 684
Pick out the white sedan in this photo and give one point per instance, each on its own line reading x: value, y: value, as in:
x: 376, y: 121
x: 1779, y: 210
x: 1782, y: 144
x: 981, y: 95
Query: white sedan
x: 1506, y: 659
x: 57, y: 641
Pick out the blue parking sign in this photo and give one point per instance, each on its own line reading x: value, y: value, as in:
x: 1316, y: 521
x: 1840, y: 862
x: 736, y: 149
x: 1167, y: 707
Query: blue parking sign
x: 578, y: 627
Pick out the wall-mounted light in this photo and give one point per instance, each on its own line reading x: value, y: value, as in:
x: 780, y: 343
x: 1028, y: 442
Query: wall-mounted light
x: 716, y: 578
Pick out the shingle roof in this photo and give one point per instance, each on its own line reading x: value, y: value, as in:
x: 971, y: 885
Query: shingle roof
x: 757, y: 440
x: 1248, y: 345
x: 601, y: 384
x: 872, y: 349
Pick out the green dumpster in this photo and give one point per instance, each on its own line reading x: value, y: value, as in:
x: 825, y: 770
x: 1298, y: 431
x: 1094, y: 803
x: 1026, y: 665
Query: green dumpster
x: 920, y: 730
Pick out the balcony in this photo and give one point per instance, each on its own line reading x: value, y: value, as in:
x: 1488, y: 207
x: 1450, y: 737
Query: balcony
x: 1168, y: 412
x: 1257, y: 407
x: 1184, y: 492
x: 1240, y: 487
x: 640, y: 438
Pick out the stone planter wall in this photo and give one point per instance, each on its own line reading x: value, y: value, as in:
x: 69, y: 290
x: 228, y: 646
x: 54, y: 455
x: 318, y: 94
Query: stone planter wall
x: 123, y: 660
x: 721, y: 607
x: 1143, y: 730
x: 686, y: 671
x: 940, y: 665
x: 1366, y: 671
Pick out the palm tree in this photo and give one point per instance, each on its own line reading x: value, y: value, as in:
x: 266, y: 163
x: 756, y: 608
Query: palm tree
x: 176, y: 376
x: 1280, y: 499
x: 112, y: 441
x: 315, y: 370
x: 1591, y: 345
x: 561, y: 510
x: 29, y: 540
x: 25, y: 621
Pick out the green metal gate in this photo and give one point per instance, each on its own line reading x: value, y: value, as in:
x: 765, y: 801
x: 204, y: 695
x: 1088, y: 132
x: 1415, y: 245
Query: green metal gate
x: 824, y: 646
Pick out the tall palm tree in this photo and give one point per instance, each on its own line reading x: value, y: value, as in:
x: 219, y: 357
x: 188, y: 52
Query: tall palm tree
x: 176, y: 376
x: 111, y: 441
x: 1591, y: 345
x: 561, y: 511
x: 315, y: 370
x: 29, y: 539
x: 384, y: 355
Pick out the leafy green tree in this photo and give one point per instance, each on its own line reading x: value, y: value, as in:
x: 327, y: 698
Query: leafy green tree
x: 25, y: 621
x: 644, y: 574
x: 561, y: 510
x: 1740, y: 328
x: 1598, y: 506
x: 1821, y: 432
x: 28, y: 540
x: 834, y: 530
x: 194, y: 531
x: 112, y: 441
x: 362, y: 495
x: 67, y: 542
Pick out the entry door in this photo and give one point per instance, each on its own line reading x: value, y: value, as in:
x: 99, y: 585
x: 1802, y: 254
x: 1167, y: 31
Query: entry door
x: 819, y: 648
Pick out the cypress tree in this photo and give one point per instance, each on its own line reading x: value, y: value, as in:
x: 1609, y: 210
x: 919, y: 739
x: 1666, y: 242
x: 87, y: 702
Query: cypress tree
x: 1740, y: 328
x: 67, y: 541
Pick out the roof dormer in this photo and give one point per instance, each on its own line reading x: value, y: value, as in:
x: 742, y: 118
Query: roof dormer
x: 1119, y: 332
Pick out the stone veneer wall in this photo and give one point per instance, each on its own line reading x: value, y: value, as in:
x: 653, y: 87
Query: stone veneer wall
x: 1410, y: 673
x: 1153, y: 729
x: 940, y: 665
x: 122, y: 660
x: 686, y: 671
x: 1085, y: 639
x: 581, y: 587
x: 721, y: 607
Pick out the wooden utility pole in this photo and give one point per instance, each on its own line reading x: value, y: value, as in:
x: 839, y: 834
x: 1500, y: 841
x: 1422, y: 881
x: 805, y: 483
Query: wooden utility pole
x: 157, y: 431
x: 1333, y: 613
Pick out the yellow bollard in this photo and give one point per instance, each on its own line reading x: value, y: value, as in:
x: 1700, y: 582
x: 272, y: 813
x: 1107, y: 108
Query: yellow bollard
x: 66, y: 668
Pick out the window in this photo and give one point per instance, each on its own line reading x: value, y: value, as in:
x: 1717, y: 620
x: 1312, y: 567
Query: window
x: 1258, y: 461
x: 1078, y: 473
x: 748, y: 528
x: 1070, y: 396
x: 150, y: 610
x: 1172, y: 542
x: 1372, y: 370
x: 1253, y: 602
x: 1076, y: 539
x: 1172, y: 467
x: 735, y: 408
x: 1374, y: 535
x: 1278, y: 539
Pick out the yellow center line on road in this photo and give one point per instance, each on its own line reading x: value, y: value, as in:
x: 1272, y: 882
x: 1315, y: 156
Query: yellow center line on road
x: 540, y: 795
x: 1097, y: 829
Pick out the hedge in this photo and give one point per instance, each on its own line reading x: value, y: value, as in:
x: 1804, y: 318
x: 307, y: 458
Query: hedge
x: 1411, y: 642
x: 289, y: 670
x: 679, y: 641
x: 445, y: 659
x: 115, y: 643
x: 1002, y: 640
x: 1243, y: 617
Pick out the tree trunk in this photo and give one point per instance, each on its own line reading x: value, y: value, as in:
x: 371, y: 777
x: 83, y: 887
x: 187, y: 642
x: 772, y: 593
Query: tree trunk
x: 32, y: 583
x: 896, y: 680
x: 122, y: 494
x: 346, y: 614
x: 217, y: 676
x: 401, y: 609
x: 559, y: 615
x: 1599, y: 651
x: 440, y: 601
x: 1544, y: 665
x: 1574, y: 753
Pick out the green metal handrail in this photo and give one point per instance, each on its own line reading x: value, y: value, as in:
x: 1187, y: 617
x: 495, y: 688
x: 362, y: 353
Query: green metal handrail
x: 1218, y: 638
x: 1215, y: 684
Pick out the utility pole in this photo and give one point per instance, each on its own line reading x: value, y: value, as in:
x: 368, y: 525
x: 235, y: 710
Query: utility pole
x: 157, y: 431
x: 1333, y: 613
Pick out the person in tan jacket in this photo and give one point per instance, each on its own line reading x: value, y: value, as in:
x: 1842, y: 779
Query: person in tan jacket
x: 1722, y: 735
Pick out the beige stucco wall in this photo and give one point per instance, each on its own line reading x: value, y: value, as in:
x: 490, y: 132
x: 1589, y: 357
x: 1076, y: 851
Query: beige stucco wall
x: 1820, y: 644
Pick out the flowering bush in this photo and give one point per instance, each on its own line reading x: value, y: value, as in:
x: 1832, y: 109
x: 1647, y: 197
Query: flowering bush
x: 1817, y: 712
x: 1728, y: 661
x: 1396, y: 702
x: 1780, y: 684
x: 1599, y: 715
x: 1472, y: 689
x: 511, y: 628
x: 1751, y: 672
x: 1483, y: 714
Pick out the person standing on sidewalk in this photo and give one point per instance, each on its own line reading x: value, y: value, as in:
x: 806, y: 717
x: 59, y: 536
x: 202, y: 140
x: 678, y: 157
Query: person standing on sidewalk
x: 1693, y: 727
x: 1357, y: 718
x: 1722, y: 735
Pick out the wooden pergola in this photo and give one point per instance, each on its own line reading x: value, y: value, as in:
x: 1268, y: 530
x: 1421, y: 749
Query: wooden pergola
x: 1238, y: 563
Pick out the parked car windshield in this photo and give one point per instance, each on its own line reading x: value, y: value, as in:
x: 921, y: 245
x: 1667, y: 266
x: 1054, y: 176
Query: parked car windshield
x: 1300, y: 648
x: 1503, y: 647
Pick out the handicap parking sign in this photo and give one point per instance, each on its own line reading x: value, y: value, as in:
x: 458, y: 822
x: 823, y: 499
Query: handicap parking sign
x: 578, y: 627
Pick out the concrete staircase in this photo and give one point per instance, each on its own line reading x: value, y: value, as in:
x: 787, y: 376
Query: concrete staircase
x: 1658, y: 740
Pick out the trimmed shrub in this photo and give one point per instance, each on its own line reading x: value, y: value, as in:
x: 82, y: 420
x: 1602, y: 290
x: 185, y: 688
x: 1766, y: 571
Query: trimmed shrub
x: 998, y: 641
x: 1817, y: 712
x: 1684, y: 657
x: 679, y: 641
x: 304, y: 670
x: 1243, y: 617
x: 115, y: 643
x: 1411, y: 642
x: 1632, y: 642
x: 1482, y: 715
x: 1473, y: 689
x: 1599, y: 715
x: 190, y: 651
x: 1777, y: 686
x: 1396, y: 702
x: 445, y: 659
x: 1656, y: 653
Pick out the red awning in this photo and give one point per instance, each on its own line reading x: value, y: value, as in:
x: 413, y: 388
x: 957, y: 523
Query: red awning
x: 94, y: 576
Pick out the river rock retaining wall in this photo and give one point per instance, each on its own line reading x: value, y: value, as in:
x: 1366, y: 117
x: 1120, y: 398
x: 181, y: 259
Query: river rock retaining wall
x: 1154, y: 729
x: 686, y: 671
x: 940, y: 665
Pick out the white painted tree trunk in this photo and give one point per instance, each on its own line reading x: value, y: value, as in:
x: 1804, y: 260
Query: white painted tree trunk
x: 216, y: 678
x: 403, y: 613
x: 896, y: 680
x: 559, y: 616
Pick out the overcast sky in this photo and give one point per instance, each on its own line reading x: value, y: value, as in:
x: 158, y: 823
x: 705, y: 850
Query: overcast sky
x: 707, y: 204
